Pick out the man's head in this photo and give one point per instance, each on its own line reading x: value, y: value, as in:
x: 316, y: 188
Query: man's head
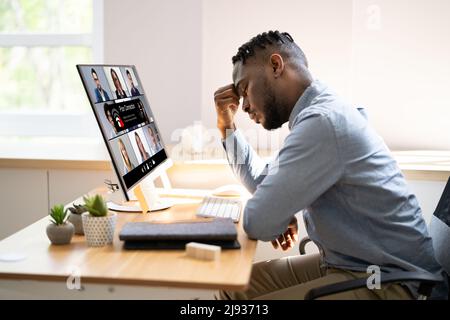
x: 95, y: 77
x: 270, y: 72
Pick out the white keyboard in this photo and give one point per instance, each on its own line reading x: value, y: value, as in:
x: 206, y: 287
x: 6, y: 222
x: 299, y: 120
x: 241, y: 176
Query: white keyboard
x: 220, y: 208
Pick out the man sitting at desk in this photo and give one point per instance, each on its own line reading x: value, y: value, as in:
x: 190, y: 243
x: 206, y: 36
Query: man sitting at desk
x: 333, y: 165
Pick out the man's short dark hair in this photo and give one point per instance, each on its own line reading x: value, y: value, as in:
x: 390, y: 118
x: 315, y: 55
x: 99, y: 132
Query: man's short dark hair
x: 280, y: 40
x: 93, y: 71
x: 128, y: 72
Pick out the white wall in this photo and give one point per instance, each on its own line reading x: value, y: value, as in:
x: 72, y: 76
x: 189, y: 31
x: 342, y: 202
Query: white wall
x: 389, y: 56
x: 401, y: 70
x: 392, y: 57
x: 162, y: 38
x: 321, y: 28
x: 23, y: 198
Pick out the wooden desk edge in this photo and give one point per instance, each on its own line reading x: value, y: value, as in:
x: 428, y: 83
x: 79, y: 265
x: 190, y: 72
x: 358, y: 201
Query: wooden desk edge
x: 10, y: 275
x: 130, y: 282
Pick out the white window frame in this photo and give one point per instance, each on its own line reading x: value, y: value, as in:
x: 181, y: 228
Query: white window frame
x: 56, y: 124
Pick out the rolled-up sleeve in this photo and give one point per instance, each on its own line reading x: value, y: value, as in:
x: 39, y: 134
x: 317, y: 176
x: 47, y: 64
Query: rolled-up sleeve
x: 307, y: 166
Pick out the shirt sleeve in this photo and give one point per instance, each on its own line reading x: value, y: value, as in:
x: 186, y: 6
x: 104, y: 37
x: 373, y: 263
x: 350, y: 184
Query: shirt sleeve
x: 307, y: 166
x: 244, y: 161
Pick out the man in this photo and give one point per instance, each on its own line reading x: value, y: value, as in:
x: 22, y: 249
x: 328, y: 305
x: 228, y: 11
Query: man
x: 333, y: 165
x: 134, y: 91
x: 100, y: 94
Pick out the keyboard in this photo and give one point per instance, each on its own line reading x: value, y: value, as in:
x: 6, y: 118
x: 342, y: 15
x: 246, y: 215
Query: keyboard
x: 216, y: 207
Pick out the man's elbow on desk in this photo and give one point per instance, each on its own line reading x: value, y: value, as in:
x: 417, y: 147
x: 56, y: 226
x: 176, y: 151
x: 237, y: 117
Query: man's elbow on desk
x: 256, y: 227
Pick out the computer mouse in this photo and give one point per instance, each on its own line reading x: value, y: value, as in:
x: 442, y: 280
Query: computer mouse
x: 229, y: 190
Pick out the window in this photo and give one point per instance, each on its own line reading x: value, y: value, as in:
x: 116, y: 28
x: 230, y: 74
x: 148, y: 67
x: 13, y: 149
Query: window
x: 41, y: 41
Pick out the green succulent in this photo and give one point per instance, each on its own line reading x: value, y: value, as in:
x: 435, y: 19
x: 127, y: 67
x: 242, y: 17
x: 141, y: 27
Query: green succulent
x: 96, y: 205
x: 77, y: 209
x: 58, y: 215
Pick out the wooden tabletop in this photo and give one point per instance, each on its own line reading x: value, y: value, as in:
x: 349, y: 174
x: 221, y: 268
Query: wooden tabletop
x: 37, y: 259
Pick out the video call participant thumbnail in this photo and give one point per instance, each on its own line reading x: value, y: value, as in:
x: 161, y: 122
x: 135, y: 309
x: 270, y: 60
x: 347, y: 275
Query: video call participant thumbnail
x: 126, y: 115
x: 100, y: 94
x: 153, y: 139
x: 140, y: 146
x: 111, y: 133
x: 127, y: 164
x: 133, y: 90
x: 142, y: 114
x: 120, y: 92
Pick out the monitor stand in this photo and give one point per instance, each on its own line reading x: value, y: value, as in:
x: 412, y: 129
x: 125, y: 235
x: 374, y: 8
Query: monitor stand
x: 146, y: 198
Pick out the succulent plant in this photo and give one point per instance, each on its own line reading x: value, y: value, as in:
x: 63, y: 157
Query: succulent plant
x: 58, y: 215
x: 77, y: 209
x: 95, y: 205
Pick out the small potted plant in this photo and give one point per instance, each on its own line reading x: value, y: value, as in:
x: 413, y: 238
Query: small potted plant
x: 98, y: 223
x: 75, y: 217
x: 60, y: 231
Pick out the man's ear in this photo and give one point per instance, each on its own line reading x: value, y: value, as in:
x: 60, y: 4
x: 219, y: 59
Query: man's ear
x: 277, y: 64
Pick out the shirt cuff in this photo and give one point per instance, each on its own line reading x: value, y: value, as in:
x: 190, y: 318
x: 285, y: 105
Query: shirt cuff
x: 233, y: 137
x: 235, y: 146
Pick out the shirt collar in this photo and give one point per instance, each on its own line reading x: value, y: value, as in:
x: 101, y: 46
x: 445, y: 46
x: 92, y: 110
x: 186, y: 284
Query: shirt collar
x: 314, y: 89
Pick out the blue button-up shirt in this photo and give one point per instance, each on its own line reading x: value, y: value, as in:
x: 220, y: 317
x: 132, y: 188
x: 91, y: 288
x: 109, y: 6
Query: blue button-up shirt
x: 357, y: 207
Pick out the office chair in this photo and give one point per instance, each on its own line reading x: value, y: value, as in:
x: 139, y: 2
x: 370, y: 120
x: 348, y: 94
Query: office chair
x: 439, y: 231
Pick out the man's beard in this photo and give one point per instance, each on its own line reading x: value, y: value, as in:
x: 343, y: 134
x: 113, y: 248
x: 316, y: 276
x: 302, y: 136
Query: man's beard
x: 272, y: 110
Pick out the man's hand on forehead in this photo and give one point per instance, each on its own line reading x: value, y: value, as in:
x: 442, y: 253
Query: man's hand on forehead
x: 228, y: 91
x: 227, y: 103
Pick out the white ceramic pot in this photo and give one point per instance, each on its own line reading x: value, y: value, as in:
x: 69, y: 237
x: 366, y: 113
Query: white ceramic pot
x: 99, y: 231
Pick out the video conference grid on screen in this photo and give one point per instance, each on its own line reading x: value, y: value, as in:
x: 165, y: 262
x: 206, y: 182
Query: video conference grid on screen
x: 125, y: 119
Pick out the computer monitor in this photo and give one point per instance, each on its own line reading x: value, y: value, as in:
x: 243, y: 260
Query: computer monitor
x: 127, y: 125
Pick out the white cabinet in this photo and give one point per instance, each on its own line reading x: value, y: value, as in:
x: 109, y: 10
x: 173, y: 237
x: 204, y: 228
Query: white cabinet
x: 27, y: 194
x: 23, y: 198
x: 67, y: 185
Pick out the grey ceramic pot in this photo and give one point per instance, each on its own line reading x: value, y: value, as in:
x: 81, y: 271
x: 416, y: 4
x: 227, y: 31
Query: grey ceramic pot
x: 61, y: 234
x: 77, y: 223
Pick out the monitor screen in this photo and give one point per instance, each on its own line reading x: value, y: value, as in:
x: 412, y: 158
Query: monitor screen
x: 126, y: 120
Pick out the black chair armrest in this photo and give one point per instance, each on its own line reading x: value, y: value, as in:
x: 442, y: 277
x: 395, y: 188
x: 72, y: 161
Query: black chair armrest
x: 427, y: 280
x: 302, y: 245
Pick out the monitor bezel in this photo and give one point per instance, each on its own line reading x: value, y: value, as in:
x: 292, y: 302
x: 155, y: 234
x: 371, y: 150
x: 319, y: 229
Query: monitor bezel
x: 166, y: 163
